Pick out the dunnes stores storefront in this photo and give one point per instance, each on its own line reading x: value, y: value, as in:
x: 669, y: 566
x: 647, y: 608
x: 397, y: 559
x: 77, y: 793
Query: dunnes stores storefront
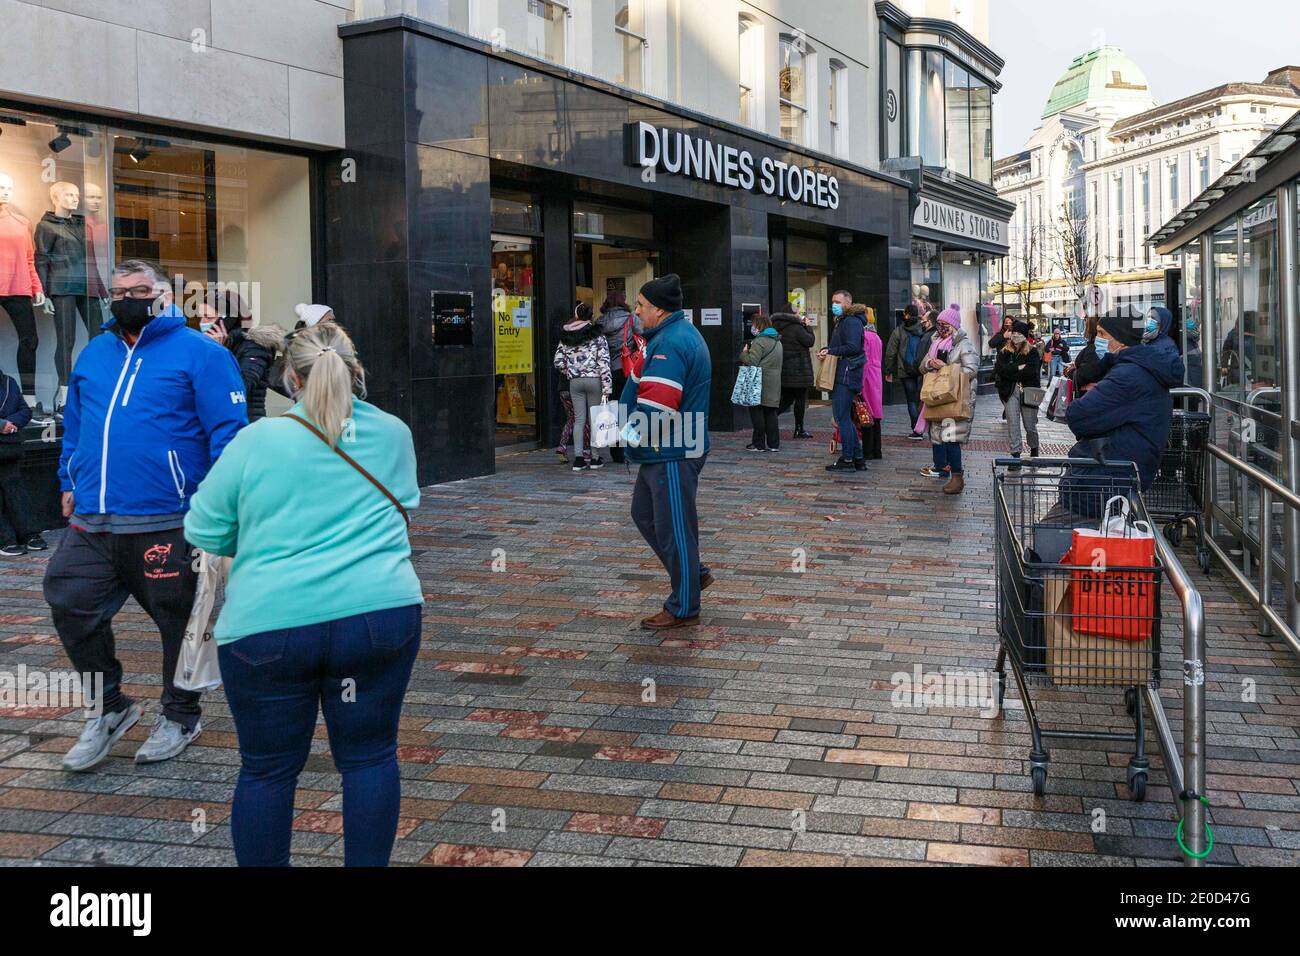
x: 481, y: 194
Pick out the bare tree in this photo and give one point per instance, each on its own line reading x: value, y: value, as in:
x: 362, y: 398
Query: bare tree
x: 1029, y: 264
x: 1074, y: 250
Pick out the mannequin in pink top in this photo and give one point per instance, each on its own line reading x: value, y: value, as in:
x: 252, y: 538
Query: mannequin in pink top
x: 20, y: 287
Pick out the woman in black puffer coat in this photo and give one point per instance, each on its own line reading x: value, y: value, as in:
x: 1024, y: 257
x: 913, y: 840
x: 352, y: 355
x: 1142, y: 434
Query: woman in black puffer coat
x: 797, y: 377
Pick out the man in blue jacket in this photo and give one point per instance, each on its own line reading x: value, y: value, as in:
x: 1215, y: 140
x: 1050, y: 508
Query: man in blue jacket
x: 666, y: 406
x: 1128, y: 414
x: 16, y: 535
x: 151, y: 404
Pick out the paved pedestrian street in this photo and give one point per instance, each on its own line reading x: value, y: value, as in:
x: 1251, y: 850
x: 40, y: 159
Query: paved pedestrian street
x: 542, y: 727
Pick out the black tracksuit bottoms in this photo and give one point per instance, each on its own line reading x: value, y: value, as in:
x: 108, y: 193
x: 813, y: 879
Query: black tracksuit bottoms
x: 90, y: 577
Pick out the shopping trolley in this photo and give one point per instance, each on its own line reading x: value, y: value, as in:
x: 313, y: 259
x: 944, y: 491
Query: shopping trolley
x: 1178, y: 494
x: 1093, y: 624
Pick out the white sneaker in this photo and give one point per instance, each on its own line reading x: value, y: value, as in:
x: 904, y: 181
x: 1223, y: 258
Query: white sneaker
x: 97, y: 738
x: 166, y: 740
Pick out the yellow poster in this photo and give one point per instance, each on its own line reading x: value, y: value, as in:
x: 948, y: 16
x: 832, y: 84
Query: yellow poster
x: 514, y: 334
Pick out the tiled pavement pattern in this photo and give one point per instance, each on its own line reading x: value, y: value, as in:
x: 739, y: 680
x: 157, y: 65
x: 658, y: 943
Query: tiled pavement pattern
x: 771, y: 739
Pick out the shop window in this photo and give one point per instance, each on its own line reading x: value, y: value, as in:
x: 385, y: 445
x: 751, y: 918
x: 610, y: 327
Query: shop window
x: 837, y: 98
x: 751, y: 72
x: 1261, y: 340
x: 1227, y: 311
x: 808, y: 283
x: 515, y: 212
x: 793, y: 84
x: 630, y: 34
x: 548, y: 30
x: 595, y: 221
x: 1193, y: 318
x: 1175, y: 203
x: 981, y: 129
x: 925, y: 106
x: 957, y: 118
x: 927, y: 277
x: 81, y: 198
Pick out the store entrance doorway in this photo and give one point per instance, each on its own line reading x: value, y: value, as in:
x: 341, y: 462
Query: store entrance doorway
x: 513, y: 312
x: 612, y: 270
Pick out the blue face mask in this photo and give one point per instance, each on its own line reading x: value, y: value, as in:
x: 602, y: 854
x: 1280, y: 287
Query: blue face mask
x: 837, y: 310
x: 1153, y: 327
x: 1191, y: 325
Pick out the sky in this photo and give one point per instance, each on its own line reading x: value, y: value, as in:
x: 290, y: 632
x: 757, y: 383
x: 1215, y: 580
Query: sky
x: 1183, y: 46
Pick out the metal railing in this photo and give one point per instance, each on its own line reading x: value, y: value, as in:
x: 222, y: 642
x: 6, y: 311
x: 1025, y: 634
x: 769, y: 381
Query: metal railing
x: 1186, y: 777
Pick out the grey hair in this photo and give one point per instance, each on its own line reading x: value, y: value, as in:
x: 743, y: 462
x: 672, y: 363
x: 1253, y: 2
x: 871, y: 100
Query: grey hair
x: 324, y: 360
x: 133, y: 266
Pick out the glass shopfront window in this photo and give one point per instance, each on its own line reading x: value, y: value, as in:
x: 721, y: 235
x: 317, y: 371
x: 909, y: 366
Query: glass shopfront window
x: 1227, y: 304
x: 1193, y: 320
x: 927, y: 276
x: 957, y: 118
x: 76, y: 199
x: 981, y: 129
x: 1260, y: 319
x: 808, y: 283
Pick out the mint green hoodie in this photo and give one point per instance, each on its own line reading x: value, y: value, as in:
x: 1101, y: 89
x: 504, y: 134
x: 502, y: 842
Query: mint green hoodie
x: 313, y: 541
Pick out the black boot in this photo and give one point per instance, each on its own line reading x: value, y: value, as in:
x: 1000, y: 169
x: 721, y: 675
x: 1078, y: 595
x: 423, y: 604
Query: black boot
x: 842, y: 465
x: 859, y: 464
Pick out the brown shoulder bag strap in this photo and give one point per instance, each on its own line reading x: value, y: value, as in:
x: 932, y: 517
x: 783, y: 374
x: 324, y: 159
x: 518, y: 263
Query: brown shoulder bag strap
x: 346, y: 457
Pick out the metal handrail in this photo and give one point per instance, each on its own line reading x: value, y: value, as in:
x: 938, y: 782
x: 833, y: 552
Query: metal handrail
x: 1274, y: 486
x: 1189, y: 784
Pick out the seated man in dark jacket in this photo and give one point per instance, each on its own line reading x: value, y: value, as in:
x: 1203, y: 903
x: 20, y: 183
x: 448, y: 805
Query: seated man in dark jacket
x: 1126, y: 417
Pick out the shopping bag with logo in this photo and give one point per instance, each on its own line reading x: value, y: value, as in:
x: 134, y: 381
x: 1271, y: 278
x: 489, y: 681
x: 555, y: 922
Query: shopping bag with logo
x: 943, y: 386
x: 748, y: 392
x: 960, y: 409
x: 197, y: 669
x: 1111, y: 593
x: 604, y: 425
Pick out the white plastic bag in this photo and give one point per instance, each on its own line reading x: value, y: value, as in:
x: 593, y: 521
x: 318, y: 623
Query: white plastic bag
x: 604, y: 425
x: 1123, y: 524
x: 198, y: 669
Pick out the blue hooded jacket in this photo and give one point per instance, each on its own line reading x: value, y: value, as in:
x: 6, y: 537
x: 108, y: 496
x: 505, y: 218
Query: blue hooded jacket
x: 144, y: 423
x: 1127, y: 416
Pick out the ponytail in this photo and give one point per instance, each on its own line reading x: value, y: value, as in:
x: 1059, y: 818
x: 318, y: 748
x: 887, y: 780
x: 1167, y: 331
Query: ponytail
x: 325, y: 362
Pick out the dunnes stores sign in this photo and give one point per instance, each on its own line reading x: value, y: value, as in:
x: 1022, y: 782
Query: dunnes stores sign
x: 955, y: 221
x: 680, y: 154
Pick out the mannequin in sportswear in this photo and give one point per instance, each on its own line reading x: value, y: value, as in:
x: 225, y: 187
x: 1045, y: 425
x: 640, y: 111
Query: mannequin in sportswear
x: 20, y: 286
x: 61, y: 265
x: 98, y: 246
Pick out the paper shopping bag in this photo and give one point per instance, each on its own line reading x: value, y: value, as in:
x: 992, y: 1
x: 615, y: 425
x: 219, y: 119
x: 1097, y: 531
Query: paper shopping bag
x: 1114, y: 597
x: 826, y: 373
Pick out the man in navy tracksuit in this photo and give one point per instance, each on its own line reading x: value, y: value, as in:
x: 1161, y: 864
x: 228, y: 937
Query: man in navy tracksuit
x: 666, y: 404
x: 151, y: 404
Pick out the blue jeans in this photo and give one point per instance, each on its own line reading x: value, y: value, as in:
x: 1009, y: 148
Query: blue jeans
x: 948, y: 455
x: 842, y: 408
x: 1055, y: 368
x: 276, y: 682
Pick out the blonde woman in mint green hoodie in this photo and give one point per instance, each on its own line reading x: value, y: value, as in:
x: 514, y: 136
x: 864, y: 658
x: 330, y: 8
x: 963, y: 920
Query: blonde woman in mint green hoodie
x: 322, y: 608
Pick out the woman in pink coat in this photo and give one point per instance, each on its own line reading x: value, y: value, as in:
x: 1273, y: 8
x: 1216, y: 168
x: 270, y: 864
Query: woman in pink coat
x: 873, y: 387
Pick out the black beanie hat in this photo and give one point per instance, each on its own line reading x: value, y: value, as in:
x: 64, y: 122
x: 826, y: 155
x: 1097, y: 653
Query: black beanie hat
x: 1121, y: 328
x: 664, y: 293
x: 1022, y: 327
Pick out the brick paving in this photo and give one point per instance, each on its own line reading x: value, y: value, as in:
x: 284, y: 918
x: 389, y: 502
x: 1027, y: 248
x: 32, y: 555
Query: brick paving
x: 530, y: 736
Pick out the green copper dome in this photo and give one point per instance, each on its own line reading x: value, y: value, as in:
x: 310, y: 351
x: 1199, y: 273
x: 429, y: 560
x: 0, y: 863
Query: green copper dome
x: 1102, y: 74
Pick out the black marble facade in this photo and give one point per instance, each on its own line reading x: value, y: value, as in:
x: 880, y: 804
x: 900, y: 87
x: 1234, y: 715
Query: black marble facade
x: 434, y: 119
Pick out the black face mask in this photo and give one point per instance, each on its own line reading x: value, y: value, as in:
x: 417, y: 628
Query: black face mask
x: 132, y: 315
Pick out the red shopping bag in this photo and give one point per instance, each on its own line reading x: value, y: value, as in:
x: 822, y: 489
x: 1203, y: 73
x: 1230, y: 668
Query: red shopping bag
x: 1111, y: 595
